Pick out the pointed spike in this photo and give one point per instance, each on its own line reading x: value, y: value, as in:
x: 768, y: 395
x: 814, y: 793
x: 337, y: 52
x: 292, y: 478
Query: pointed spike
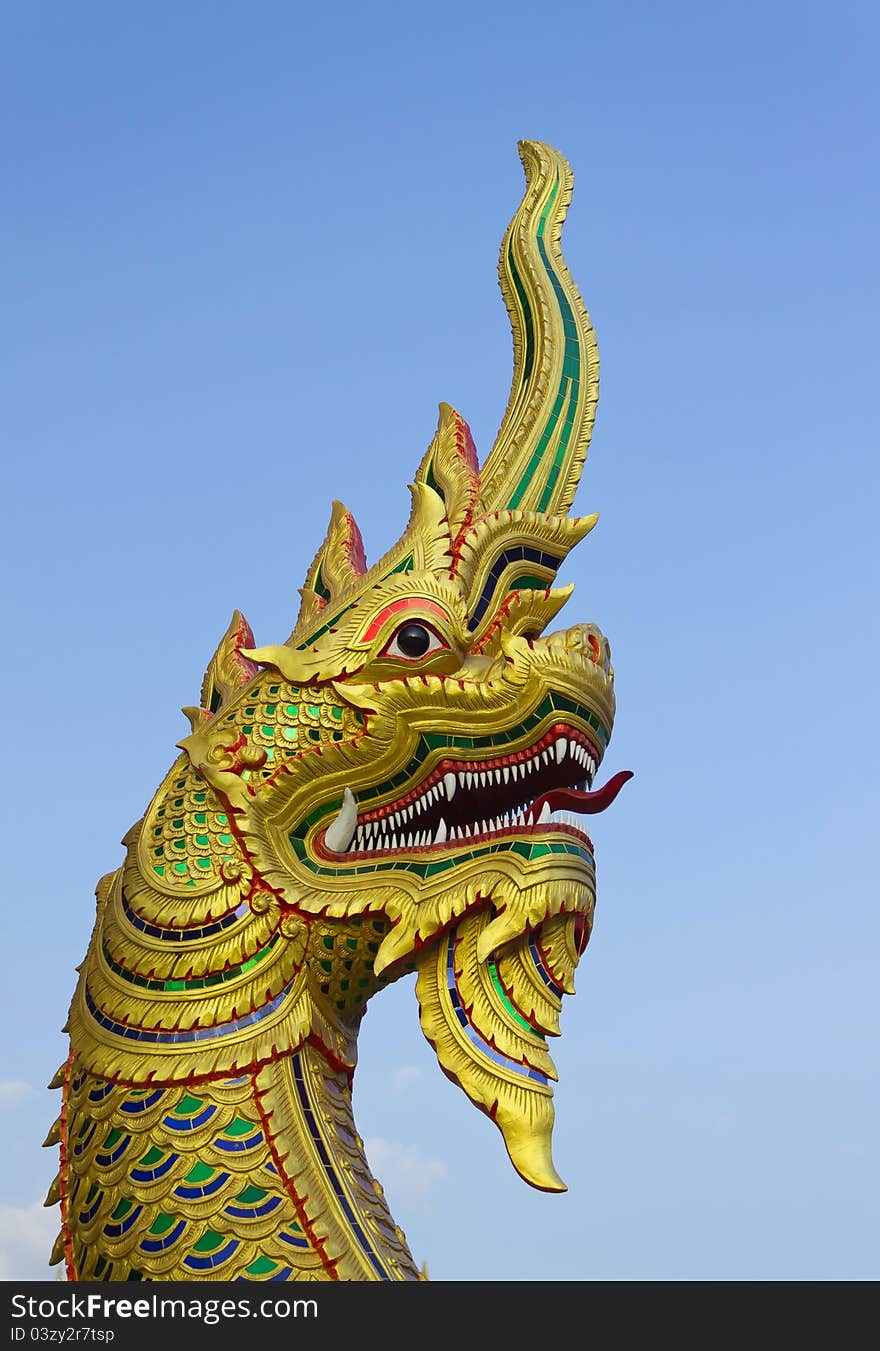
x: 57, y: 1080
x: 54, y: 1135
x: 57, y: 1250
x: 53, y: 1195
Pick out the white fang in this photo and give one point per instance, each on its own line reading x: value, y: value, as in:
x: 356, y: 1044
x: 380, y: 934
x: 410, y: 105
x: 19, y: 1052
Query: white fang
x: 340, y: 832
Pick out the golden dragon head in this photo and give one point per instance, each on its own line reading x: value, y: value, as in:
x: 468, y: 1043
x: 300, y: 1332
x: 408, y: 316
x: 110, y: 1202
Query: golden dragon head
x: 400, y: 785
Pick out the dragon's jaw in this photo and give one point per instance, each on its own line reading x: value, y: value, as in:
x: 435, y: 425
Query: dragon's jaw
x: 481, y: 800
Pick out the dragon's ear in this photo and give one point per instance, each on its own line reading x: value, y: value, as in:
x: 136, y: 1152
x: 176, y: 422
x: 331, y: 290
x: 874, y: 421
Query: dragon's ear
x: 337, y: 566
x: 450, y: 468
x: 228, y: 671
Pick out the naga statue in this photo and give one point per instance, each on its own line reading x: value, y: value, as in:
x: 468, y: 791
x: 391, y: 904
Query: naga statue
x: 397, y: 788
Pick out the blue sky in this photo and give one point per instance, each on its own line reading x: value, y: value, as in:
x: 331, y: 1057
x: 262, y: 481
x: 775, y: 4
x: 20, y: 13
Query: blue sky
x: 246, y: 251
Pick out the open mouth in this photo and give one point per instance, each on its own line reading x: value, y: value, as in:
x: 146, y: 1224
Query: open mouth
x: 544, y: 786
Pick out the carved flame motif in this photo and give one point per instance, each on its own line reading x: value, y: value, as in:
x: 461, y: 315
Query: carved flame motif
x: 398, y: 787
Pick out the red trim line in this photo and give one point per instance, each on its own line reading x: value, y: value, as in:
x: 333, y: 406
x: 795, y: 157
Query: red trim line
x: 318, y: 1244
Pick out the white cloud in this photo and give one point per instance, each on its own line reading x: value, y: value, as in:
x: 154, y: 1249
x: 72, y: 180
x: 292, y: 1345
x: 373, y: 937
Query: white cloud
x: 406, y: 1175
x: 401, y: 1079
x: 14, y: 1091
x: 26, y: 1237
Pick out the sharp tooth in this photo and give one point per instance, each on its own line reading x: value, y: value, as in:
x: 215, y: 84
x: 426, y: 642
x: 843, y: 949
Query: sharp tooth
x: 506, y: 772
x: 561, y: 746
x: 340, y: 832
x: 453, y: 834
x: 470, y: 780
x: 441, y: 787
x: 462, y: 778
x: 407, y: 813
x: 440, y: 836
x: 450, y: 783
x: 546, y: 757
x: 419, y: 805
x: 408, y: 844
x: 393, y: 841
x: 545, y: 814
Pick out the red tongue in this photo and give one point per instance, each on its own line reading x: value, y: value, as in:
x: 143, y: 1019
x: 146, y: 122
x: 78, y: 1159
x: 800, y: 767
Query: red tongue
x: 569, y: 799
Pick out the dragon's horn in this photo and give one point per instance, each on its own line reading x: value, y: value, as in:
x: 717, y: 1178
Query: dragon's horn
x: 450, y: 468
x: 541, y: 446
x: 337, y: 566
x: 228, y: 671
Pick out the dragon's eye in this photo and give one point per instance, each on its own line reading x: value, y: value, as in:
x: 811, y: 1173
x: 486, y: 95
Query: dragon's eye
x: 413, y: 641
